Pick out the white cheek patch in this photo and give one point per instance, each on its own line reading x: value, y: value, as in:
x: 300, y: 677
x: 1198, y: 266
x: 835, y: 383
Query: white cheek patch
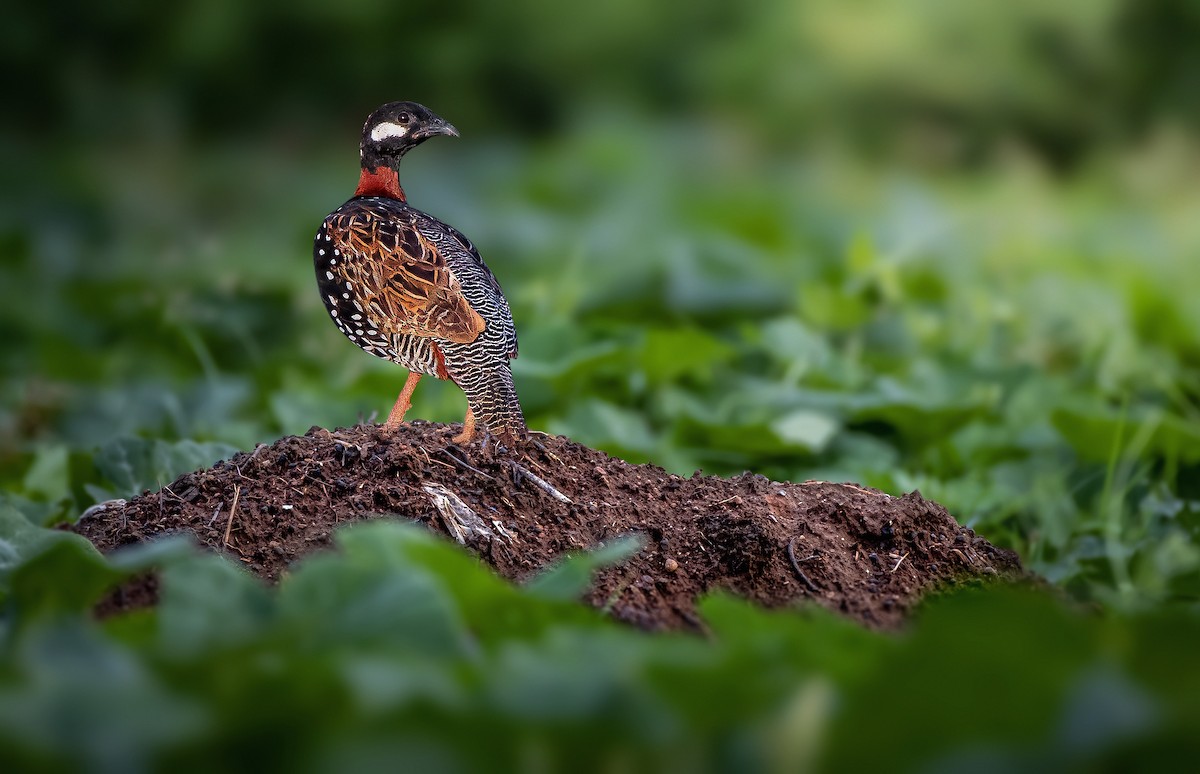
x: 387, y: 129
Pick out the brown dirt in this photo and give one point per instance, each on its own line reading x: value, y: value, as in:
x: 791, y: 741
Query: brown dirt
x: 854, y: 550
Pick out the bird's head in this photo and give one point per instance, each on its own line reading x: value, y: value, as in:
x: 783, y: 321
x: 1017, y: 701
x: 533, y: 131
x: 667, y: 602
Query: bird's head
x: 396, y: 128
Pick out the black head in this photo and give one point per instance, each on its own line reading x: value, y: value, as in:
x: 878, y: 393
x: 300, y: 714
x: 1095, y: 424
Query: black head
x: 396, y: 128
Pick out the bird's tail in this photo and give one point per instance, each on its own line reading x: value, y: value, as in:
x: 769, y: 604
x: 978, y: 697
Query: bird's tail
x: 493, y: 400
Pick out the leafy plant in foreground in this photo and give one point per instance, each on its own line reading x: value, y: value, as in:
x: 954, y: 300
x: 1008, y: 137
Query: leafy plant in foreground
x: 401, y: 649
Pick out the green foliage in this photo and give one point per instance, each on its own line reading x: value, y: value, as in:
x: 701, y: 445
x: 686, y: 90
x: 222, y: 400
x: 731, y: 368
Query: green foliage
x: 399, y: 648
x: 134, y: 465
x: 944, y: 83
x: 570, y: 578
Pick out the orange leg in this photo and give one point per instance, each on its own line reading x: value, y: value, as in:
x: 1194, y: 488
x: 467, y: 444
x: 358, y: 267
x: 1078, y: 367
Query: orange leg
x: 403, y: 403
x: 468, y: 431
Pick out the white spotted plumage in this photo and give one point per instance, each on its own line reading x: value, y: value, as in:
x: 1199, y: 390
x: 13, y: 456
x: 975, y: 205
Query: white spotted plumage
x: 479, y: 367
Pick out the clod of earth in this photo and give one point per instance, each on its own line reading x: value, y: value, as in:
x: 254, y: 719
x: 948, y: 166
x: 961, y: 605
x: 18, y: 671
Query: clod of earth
x: 854, y: 550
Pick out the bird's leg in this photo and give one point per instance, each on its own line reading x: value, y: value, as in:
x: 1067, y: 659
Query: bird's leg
x: 468, y: 431
x: 403, y: 402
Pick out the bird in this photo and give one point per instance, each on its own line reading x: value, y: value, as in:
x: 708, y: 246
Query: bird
x: 408, y: 288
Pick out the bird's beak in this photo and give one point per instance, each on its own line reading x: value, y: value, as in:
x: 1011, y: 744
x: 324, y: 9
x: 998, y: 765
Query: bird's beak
x: 433, y: 129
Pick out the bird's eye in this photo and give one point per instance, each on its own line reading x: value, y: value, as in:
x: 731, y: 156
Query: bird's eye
x: 405, y: 118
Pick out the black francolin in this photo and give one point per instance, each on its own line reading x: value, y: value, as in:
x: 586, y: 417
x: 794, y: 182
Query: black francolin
x: 408, y: 288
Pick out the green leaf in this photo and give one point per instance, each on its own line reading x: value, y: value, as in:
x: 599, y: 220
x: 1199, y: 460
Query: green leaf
x: 207, y: 603
x: 991, y: 636
x: 134, y: 465
x: 1093, y: 431
x: 811, y: 430
x: 158, y: 552
x: 375, y: 593
x: 571, y: 577
x: 599, y: 423
x: 579, y: 676
x: 84, y: 703
x: 49, y: 475
x: 18, y: 538
x: 36, y: 512
x: 670, y: 353
x: 917, y: 412
x: 46, y: 571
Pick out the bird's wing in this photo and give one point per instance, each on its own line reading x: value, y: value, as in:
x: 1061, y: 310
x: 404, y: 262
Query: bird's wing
x: 398, y: 275
x: 450, y: 239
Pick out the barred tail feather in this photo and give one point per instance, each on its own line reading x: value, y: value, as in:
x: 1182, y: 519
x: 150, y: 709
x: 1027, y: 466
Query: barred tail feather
x: 493, y: 400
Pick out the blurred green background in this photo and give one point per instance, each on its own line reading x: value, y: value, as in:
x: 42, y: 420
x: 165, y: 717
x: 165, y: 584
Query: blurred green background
x: 914, y: 244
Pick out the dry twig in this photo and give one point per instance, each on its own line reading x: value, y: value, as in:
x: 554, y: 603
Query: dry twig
x: 466, y: 464
x: 541, y: 484
x: 855, y: 487
x: 237, y: 492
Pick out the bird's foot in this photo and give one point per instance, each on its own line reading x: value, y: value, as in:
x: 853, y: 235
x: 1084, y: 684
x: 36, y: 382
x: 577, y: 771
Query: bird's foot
x: 468, y: 431
x: 396, y: 418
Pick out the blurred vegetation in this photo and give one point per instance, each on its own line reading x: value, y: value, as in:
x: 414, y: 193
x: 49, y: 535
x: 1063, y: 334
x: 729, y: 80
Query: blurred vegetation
x: 403, y: 651
x: 945, y: 246
x: 1065, y: 78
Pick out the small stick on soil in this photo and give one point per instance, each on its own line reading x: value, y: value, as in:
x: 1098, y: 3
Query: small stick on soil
x: 791, y: 552
x: 535, y: 463
x: 847, y: 485
x: 237, y: 492
x: 466, y: 465
x: 897, y: 567
x: 347, y: 443
x: 540, y: 484
x: 543, y: 448
x: 431, y: 460
x: 501, y: 531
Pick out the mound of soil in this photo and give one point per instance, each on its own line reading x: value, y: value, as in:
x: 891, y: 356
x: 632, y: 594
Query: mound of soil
x: 857, y: 551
